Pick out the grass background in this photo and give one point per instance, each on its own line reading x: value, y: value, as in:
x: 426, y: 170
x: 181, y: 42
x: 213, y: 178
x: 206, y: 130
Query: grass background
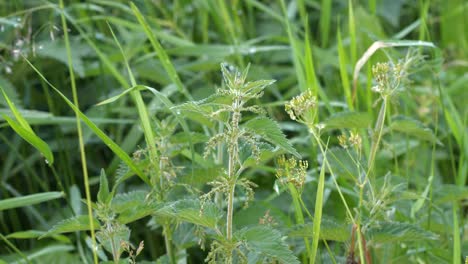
x: 301, y: 44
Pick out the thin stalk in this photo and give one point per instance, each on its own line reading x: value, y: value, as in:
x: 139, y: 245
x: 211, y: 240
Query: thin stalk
x: 168, y: 243
x: 377, y: 135
x: 84, y: 166
x: 297, y: 201
x: 230, y: 211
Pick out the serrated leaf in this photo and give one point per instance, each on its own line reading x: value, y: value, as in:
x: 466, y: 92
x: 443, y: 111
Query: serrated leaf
x: 132, y: 206
x: 348, y: 120
x: 103, y: 195
x: 76, y: 223
x: 109, y: 239
x: 189, y: 211
x: 271, y: 132
x: 413, y: 128
x: 329, y: 230
x: 266, y: 241
x: 28, y: 200
x: 389, y: 232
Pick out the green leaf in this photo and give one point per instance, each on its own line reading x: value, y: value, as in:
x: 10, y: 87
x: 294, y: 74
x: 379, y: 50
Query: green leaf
x: 266, y: 241
x: 10, y: 91
x: 110, y: 240
x: 29, y: 200
x: 318, y: 212
x: 348, y: 120
x: 330, y: 229
x: 28, y: 234
x: 32, y: 139
x: 76, y: 223
x: 389, y: 232
x: 103, y: 195
x: 163, y: 57
x: 271, y: 132
x: 21, y: 126
x: 413, y: 128
x: 132, y: 206
x: 189, y: 211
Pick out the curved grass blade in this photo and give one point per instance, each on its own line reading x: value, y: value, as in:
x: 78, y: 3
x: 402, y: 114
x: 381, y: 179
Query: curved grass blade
x: 21, y: 126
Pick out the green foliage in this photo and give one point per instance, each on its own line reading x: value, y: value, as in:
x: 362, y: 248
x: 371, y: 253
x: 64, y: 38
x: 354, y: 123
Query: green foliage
x: 266, y: 242
x: 76, y: 223
x: 395, y: 232
x: 357, y: 90
x: 190, y: 211
x: 28, y: 200
x: 271, y: 132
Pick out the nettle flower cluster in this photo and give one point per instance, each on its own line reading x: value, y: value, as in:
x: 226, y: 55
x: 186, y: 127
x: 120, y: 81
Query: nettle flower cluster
x: 390, y: 78
x: 291, y: 171
x: 302, y: 108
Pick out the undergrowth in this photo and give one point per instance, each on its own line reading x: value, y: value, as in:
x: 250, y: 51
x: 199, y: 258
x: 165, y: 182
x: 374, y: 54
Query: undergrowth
x: 233, y: 132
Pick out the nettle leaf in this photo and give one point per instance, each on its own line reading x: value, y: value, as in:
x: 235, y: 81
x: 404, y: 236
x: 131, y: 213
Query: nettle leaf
x: 195, y: 112
x: 189, y: 211
x: 389, y: 232
x: 413, y: 128
x: 271, y: 132
x: 348, y: 120
x: 103, y: 195
x: 132, y: 206
x: 329, y: 230
x: 76, y: 223
x: 266, y: 241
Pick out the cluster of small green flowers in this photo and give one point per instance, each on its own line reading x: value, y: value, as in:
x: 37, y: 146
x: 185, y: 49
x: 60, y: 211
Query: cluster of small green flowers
x: 389, y: 77
x: 354, y: 140
x: 302, y: 107
x: 292, y: 171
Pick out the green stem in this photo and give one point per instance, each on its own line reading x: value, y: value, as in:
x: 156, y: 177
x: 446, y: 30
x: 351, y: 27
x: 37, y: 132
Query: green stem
x: 168, y: 243
x: 298, y: 214
x: 377, y: 135
x: 81, y: 143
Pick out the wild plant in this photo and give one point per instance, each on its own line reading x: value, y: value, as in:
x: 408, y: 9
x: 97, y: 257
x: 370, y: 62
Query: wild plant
x: 230, y: 106
x: 374, y: 204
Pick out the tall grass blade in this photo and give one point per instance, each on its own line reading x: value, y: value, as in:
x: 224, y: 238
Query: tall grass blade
x: 318, y: 212
x: 164, y: 58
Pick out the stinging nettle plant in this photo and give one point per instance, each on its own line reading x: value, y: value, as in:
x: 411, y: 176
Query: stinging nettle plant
x: 229, y: 106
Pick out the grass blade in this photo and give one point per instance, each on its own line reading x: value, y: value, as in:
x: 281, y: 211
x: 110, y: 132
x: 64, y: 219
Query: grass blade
x: 318, y: 212
x: 165, y: 61
x: 29, y: 200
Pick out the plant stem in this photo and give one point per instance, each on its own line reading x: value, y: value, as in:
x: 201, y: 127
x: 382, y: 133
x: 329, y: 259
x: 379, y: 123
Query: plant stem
x: 230, y: 210
x: 377, y: 135
x: 168, y: 243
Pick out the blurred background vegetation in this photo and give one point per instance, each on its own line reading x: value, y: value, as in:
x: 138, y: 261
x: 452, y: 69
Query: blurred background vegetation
x: 276, y: 38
